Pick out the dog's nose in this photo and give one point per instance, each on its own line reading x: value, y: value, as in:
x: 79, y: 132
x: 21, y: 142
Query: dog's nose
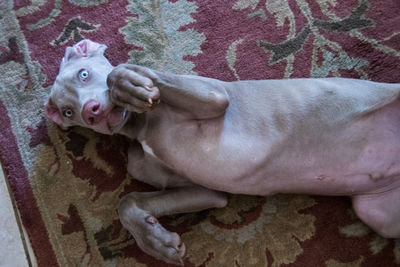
x: 92, y: 112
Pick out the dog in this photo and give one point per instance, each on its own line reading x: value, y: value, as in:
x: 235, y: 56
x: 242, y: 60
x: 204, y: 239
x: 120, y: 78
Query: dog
x: 197, y: 139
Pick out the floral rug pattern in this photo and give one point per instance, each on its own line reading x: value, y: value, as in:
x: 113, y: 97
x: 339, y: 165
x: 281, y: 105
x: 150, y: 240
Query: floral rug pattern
x: 67, y: 185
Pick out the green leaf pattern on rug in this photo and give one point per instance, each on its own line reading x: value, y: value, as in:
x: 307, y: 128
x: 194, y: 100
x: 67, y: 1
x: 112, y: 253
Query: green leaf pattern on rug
x: 88, y: 2
x: 334, y: 63
x: 156, y: 29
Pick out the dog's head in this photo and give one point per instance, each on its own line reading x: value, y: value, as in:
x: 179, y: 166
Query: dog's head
x: 80, y: 95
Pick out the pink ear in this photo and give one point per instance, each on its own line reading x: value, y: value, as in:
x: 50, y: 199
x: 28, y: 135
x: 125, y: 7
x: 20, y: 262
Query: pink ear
x: 87, y: 48
x: 84, y: 48
x: 53, y: 114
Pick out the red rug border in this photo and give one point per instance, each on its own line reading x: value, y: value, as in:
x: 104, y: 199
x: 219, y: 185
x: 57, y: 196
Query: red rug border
x: 17, y: 175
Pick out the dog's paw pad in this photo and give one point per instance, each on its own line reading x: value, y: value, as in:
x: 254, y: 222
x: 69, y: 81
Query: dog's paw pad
x: 156, y: 241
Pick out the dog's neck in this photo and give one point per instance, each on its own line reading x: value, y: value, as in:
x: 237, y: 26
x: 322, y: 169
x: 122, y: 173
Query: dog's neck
x: 134, y: 125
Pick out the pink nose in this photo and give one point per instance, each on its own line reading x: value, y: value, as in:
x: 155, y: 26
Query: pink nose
x: 92, y: 112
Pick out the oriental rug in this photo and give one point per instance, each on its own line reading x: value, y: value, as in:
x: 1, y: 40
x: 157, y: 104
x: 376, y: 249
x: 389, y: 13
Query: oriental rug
x: 67, y: 185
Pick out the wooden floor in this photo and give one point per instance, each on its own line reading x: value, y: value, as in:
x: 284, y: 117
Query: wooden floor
x: 15, y: 249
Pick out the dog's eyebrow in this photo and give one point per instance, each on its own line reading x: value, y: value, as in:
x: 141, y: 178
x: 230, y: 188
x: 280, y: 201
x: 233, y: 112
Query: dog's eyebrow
x: 68, y: 85
x: 70, y: 88
x: 61, y: 96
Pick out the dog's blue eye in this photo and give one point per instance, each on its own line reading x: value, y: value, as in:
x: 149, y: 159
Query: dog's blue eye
x: 83, y: 74
x: 67, y: 113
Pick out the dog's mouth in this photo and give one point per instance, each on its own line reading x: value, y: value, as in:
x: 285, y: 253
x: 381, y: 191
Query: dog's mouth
x: 117, y: 118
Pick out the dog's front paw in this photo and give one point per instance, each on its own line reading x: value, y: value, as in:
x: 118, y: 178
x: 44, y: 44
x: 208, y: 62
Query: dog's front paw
x: 132, y: 90
x: 154, y: 239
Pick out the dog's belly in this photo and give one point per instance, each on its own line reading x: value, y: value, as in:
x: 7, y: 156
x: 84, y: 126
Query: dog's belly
x: 361, y: 157
x: 209, y: 153
x: 377, y: 169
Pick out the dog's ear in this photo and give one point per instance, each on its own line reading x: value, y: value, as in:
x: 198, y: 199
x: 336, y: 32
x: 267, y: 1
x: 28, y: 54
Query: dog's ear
x: 84, y: 48
x: 53, y: 114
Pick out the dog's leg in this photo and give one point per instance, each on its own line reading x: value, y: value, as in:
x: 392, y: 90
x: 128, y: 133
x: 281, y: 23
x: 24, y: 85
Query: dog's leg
x: 203, y: 97
x: 380, y: 211
x: 138, y: 212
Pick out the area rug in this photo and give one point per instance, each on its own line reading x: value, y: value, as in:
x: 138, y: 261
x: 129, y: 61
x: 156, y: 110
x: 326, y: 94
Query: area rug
x: 67, y: 184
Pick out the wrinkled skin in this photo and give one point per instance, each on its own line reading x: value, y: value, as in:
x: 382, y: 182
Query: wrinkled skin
x: 196, y: 138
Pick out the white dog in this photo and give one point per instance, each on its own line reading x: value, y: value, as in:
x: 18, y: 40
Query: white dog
x: 196, y: 138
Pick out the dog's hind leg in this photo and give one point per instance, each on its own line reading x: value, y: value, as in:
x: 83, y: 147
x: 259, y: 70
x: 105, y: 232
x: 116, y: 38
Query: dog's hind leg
x: 380, y: 211
x: 138, y: 212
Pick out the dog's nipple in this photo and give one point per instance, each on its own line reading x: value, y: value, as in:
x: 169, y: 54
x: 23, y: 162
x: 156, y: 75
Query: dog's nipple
x: 375, y: 176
